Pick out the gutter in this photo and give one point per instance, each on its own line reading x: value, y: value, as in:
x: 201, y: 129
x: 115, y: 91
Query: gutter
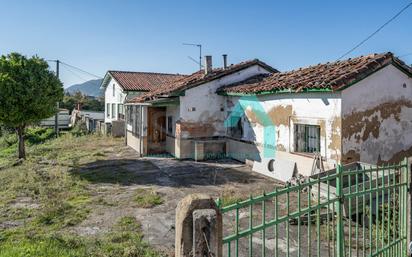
x: 281, y: 91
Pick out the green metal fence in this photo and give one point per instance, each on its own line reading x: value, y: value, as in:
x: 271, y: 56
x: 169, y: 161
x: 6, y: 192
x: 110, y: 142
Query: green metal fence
x: 353, y: 211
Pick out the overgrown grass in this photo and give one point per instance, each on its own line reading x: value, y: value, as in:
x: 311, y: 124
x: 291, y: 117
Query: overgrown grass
x: 41, y: 199
x: 147, y: 198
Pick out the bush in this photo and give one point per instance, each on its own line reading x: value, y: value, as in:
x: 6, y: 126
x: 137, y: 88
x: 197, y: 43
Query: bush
x: 36, y: 135
x: 79, y: 129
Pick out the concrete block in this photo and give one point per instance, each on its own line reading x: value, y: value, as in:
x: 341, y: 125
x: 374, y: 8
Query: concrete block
x: 118, y: 128
x: 279, y: 169
x: 184, y: 223
x: 199, y: 151
x: 205, y: 233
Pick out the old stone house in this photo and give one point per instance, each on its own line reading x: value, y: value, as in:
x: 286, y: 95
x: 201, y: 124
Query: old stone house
x: 358, y: 109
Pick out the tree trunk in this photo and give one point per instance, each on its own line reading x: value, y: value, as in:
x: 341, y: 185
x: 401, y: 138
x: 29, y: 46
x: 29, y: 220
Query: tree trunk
x: 22, y: 150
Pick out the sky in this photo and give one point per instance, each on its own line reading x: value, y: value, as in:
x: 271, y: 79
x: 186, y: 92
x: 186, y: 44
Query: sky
x: 97, y: 36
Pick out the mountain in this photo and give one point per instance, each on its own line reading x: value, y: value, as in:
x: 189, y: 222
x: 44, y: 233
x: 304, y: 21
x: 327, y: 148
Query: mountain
x: 90, y: 88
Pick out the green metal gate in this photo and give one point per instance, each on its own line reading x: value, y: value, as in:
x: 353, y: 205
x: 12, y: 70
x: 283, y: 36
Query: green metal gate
x: 360, y: 211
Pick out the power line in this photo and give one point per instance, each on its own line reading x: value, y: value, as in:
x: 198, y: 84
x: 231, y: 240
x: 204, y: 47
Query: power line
x: 376, y: 31
x: 80, y: 77
x: 74, y: 67
x: 405, y: 55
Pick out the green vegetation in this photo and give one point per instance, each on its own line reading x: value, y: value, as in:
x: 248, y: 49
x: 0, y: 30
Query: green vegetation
x: 28, y: 93
x: 70, y: 101
x: 230, y: 196
x: 9, y: 141
x: 147, y: 198
x: 43, y: 198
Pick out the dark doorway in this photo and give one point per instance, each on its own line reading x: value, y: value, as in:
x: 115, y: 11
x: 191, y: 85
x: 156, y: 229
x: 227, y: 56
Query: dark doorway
x: 156, y: 130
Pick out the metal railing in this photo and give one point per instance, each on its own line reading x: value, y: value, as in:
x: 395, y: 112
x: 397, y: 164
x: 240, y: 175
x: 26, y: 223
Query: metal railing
x: 355, y: 211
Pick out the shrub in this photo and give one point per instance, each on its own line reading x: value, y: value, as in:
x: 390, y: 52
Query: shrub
x: 37, y: 135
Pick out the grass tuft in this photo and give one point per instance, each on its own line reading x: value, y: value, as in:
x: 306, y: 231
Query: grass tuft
x: 147, y: 198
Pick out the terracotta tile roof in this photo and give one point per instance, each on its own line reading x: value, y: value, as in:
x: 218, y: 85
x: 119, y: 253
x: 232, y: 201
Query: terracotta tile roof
x: 329, y: 76
x: 198, y: 78
x: 143, y: 81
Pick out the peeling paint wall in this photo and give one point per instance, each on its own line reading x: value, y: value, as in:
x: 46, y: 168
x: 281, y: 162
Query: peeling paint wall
x: 285, y: 110
x: 377, y: 118
x: 202, y: 111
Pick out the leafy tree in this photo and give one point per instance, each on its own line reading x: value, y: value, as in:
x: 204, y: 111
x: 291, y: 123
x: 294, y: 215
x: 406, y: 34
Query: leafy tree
x: 28, y: 93
x: 70, y: 101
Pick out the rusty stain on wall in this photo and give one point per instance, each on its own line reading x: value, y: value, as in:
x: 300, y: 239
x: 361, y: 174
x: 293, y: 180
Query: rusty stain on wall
x: 369, y: 138
x: 335, y: 138
x: 368, y: 120
x: 195, y: 129
x: 280, y: 115
x: 350, y: 156
x: 398, y: 157
x: 280, y: 147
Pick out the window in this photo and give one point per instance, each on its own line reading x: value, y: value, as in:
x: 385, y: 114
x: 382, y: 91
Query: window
x: 113, y: 111
x: 235, y: 128
x: 108, y: 110
x: 120, y: 111
x: 170, y: 125
x: 307, y: 138
x: 135, y: 120
x: 114, y: 88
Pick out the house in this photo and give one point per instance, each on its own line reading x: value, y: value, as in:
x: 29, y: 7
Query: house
x: 121, y: 85
x: 358, y: 109
x: 179, y: 115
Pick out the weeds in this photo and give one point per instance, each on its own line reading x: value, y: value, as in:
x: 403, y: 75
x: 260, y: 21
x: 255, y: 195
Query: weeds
x: 43, y: 199
x: 147, y: 198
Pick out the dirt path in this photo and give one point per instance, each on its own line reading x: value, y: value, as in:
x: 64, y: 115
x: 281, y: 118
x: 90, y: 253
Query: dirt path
x: 115, y: 181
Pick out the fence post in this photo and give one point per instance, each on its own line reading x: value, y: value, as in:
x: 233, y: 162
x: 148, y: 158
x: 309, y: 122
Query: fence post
x: 408, y: 170
x: 340, y: 239
x: 198, y: 227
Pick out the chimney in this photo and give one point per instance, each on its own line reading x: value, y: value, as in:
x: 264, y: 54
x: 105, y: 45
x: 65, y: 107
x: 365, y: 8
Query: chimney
x: 224, y: 61
x: 208, y: 64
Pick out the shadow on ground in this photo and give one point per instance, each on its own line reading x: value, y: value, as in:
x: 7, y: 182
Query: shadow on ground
x: 164, y: 172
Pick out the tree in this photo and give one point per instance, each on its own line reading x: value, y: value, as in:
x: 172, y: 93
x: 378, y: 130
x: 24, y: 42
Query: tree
x: 28, y: 93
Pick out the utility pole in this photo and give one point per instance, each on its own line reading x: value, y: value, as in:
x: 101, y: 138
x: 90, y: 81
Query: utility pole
x: 56, y: 117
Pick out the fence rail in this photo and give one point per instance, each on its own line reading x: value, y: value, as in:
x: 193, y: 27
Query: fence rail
x: 354, y: 210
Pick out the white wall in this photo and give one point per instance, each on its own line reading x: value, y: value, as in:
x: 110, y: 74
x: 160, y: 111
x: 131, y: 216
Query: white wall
x: 377, y: 117
x: 118, y: 98
x: 173, y: 111
x: 285, y: 110
x: 210, y: 107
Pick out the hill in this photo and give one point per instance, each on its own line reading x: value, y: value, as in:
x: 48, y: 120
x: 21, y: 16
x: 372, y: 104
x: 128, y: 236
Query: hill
x: 90, y: 88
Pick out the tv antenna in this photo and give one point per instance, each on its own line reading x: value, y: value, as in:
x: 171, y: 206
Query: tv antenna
x: 200, y: 52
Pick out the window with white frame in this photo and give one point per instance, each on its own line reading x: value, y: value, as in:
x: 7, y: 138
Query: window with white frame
x: 108, y: 110
x: 113, y: 111
x: 114, y: 89
x: 120, y: 111
x: 307, y: 138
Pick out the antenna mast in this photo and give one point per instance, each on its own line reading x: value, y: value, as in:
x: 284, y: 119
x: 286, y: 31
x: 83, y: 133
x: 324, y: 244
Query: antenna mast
x: 200, y: 52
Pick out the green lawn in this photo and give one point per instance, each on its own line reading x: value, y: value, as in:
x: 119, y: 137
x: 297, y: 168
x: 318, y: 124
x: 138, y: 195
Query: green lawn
x: 40, y: 199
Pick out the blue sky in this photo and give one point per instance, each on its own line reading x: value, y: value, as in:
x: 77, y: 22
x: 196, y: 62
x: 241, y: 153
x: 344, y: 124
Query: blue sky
x: 148, y: 35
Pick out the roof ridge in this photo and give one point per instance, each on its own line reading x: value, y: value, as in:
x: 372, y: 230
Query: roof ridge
x: 149, y: 72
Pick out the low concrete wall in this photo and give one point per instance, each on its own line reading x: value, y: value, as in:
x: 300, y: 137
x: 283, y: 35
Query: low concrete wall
x: 134, y: 142
x: 170, y: 145
x: 243, y: 151
x: 118, y: 128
